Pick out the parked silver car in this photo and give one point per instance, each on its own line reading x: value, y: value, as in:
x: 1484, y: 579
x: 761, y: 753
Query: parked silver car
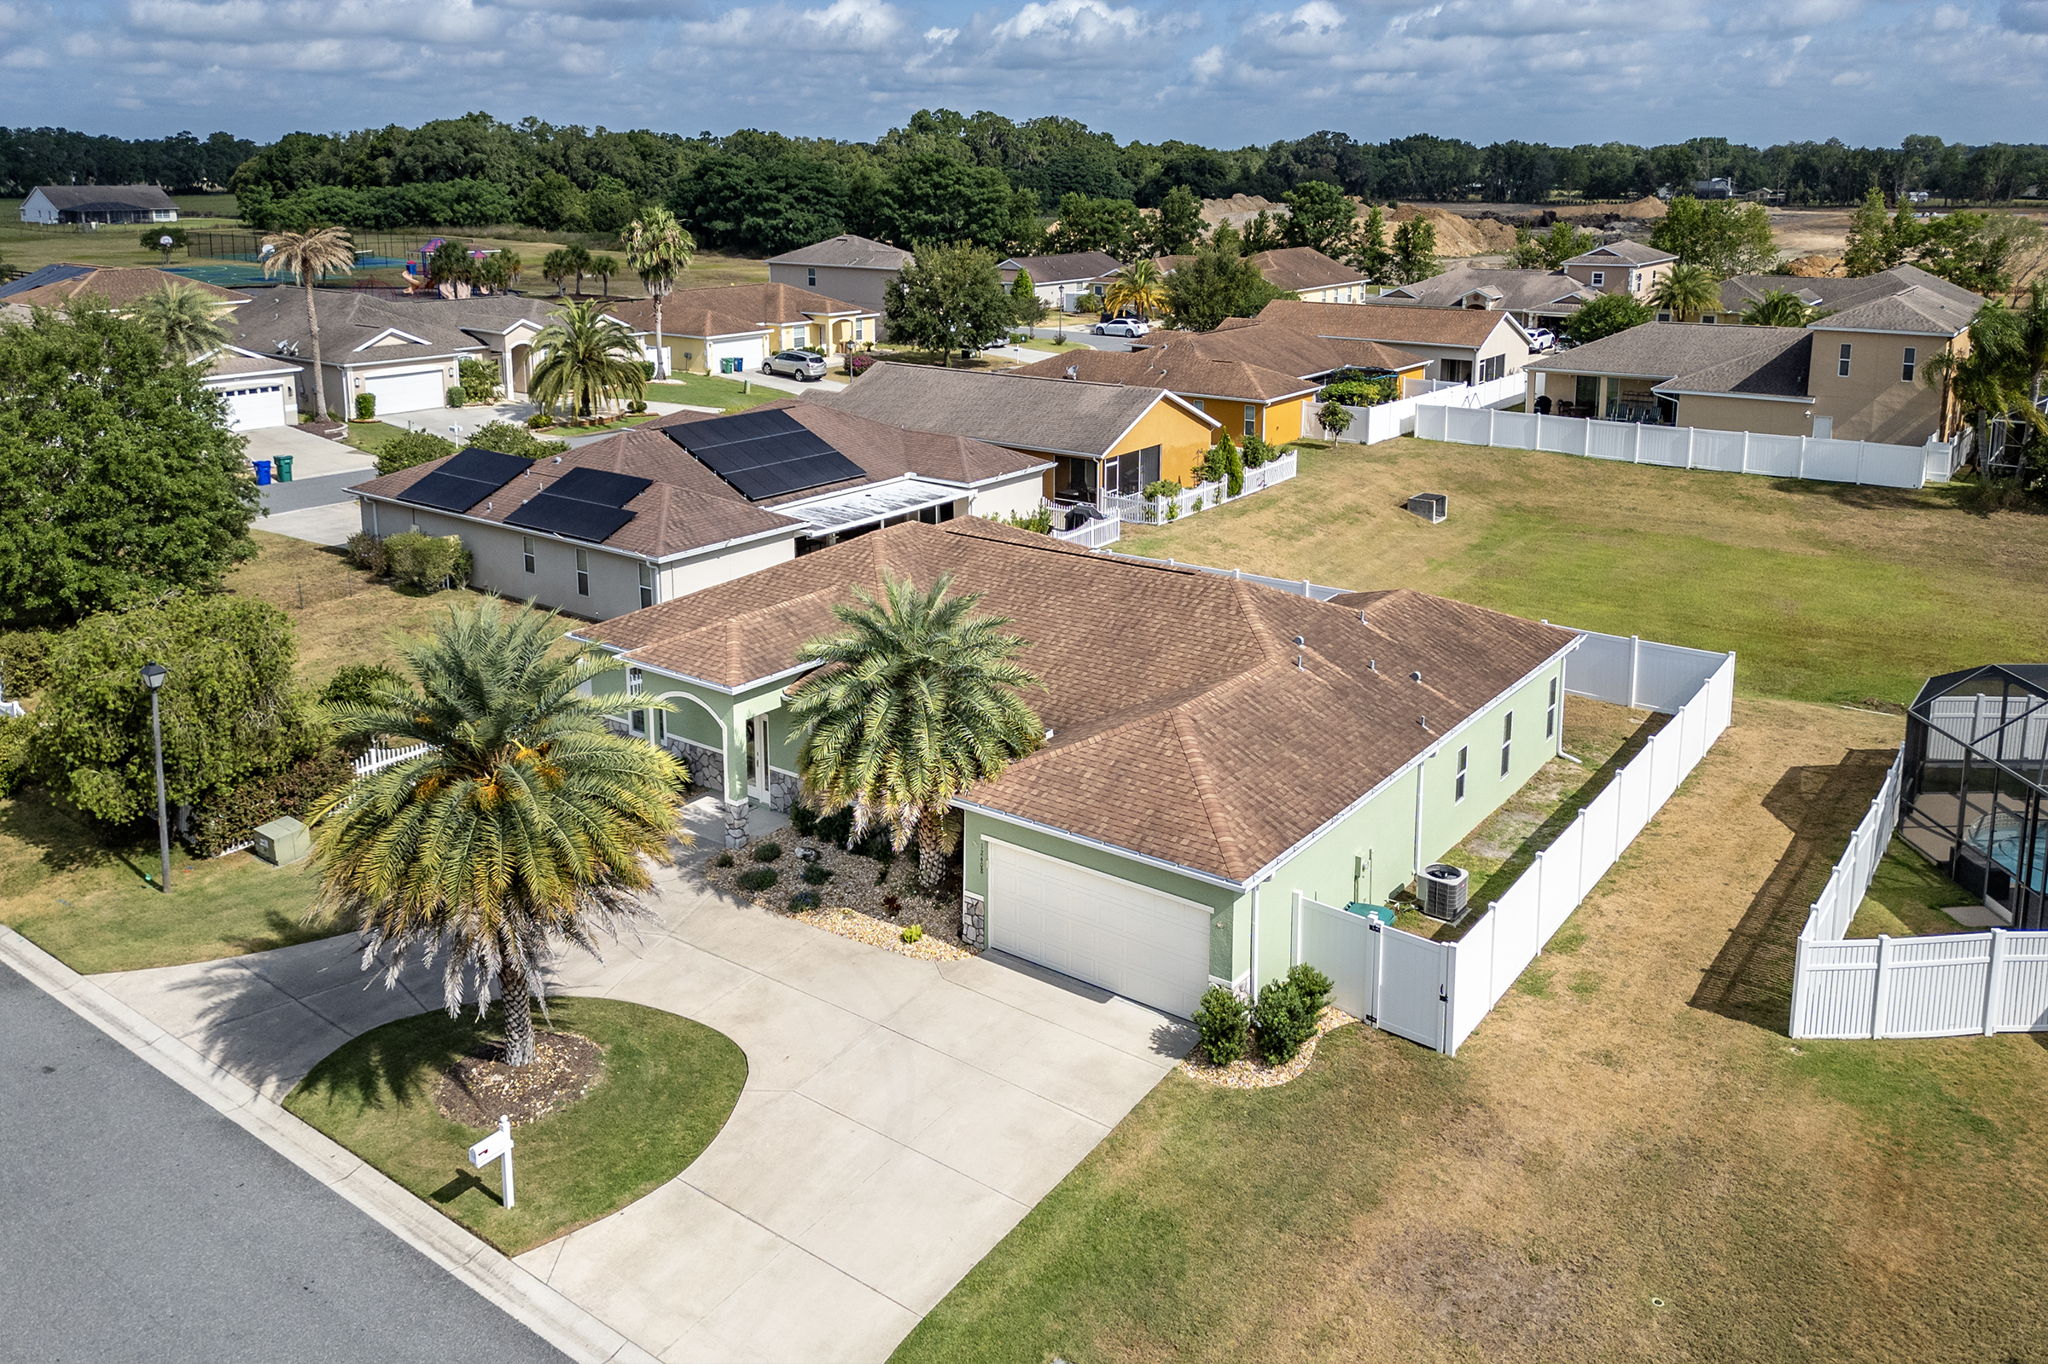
x: 806, y: 365
x: 1122, y: 326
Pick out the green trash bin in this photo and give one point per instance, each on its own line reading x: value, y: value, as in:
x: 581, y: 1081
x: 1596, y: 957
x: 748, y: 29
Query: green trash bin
x: 284, y: 468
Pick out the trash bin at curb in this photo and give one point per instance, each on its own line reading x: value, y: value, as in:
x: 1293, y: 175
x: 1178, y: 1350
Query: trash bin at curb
x: 262, y: 472
x: 284, y: 468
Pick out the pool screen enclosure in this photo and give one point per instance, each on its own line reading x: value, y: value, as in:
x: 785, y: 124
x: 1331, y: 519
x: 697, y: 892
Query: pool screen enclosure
x: 1975, y: 793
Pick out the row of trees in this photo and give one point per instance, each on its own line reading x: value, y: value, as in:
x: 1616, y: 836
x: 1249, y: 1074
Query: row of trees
x: 182, y: 163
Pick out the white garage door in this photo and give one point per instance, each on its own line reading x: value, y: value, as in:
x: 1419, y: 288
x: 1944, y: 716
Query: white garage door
x: 411, y: 391
x: 262, y: 405
x: 1145, y: 944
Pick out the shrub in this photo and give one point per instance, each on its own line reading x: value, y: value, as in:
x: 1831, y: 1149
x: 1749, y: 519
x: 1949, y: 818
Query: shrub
x: 366, y: 406
x: 456, y: 396
x: 1283, y: 1022
x: 1164, y: 488
x: 857, y: 365
x: 508, y: 438
x: 1040, y: 520
x: 1224, y: 1024
x: 357, y: 684
x: 637, y: 405
x: 758, y: 879
x: 295, y: 790
x: 15, y: 757
x: 365, y: 550
x: 1216, y: 461
x: 1313, y: 985
x: 479, y: 380
x: 1257, y: 454
x: 803, y: 820
x: 815, y: 875
x: 767, y: 852
x: 427, y: 562
x: 803, y: 900
x: 892, y: 904
x: 1018, y: 338
x: 647, y: 369
x: 914, y: 933
x: 1334, y: 418
x: 24, y: 660
x: 539, y: 421
x: 724, y: 859
x: 408, y: 448
x: 1361, y: 392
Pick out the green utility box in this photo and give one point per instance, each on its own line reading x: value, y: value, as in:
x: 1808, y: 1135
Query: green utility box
x: 1364, y: 911
x: 283, y: 841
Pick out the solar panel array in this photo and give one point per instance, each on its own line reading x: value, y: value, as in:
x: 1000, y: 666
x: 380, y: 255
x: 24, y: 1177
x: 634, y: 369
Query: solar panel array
x: 763, y: 454
x: 583, y: 504
x: 465, y: 480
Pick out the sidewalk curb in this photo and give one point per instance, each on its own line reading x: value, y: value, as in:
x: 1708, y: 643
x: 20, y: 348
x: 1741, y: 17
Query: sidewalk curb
x: 507, y: 1285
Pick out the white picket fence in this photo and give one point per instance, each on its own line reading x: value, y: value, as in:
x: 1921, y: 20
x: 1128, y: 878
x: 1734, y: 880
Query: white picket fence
x: 1697, y: 447
x: 1946, y: 985
x: 1154, y: 511
x: 1089, y: 534
x: 1436, y: 993
x: 1384, y: 421
x: 379, y: 757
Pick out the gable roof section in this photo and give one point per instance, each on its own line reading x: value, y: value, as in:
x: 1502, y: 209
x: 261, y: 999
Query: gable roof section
x: 848, y: 251
x: 1288, y: 351
x: 1176, y: 365
x: 53, y: 285
x: 141, y: 197
x: 1521, y: 290
x: 1303, y: 267
x: 1765, y: 362
x: 1086, y: 419
x: 1934, y: 302
x: 347, y: 320
x: 1392, y: 323
x: 1181, y: 728
x: 733, y: 309
x: 1069, y: 268
x: 1623, y: 252
x: 1914, y: 309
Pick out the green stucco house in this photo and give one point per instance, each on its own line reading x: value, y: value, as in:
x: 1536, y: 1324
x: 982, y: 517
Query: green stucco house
x: 1212, y: 745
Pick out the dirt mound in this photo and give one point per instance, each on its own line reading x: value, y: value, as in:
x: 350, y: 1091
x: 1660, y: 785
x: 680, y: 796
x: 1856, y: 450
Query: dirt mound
x: 1457, y: 235
x: 1814, y: 266
x: 1240, y: 209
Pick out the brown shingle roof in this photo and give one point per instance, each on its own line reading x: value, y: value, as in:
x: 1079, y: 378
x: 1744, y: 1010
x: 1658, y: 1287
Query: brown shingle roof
x: 1175, y: 364
x: 847, y: 250
x: 1062, y: 269
x: 1388, y: 322
x: 1689, y: 358
x: 1625, y: 250
x: 1288, y: 350
x: 1182, y: 729
x: 120, y: 286
x: 728, y: 308
x: 1077, y: 418
x: 689, y: 507
x: 1294, y: 268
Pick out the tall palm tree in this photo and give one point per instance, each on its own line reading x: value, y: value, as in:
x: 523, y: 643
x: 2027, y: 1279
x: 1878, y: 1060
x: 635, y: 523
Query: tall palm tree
x: 527, y: 824
x: 1686, y: 291
x: 1139, y: 287
x: 589, y: 361
x: 1779, y: 308
x: 914, y: 702
x: 604, y: 267
x: 306, y: 256
x: 186, y: 317
x: 659, y: 250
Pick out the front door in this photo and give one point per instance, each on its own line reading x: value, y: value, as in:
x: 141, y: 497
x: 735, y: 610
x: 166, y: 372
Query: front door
x: 757, y: 757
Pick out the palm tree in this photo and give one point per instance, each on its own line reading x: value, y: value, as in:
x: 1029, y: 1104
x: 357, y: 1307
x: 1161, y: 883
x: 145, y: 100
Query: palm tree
x: 186, y: 317
x: 659, y: 250
x: 1686, y: 291
x: 556, y: 267
x: 917, y: 700
x: 579, y: 260
x: 1139, y: 287
x: 2000, y: 374
x: 1779, y: 308
x: 527, y: 823
x: 307, y: 256
x: 587, y: 361
x: 604, y: 267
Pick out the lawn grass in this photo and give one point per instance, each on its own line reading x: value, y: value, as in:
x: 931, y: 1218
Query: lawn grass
x: 372, y: 436
x: 1828, y: 592
x: 1906, y: 898
x: 667, y: 1088
x: 709, y: 390
x: 25, y: 246
x: 1045, y: 344
x: 1628, y: 1160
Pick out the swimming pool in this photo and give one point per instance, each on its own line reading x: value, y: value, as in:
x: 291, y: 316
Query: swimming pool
x: 2005, y: 844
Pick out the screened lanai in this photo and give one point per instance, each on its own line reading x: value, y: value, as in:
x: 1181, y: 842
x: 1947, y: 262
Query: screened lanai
x: 1975, y: 792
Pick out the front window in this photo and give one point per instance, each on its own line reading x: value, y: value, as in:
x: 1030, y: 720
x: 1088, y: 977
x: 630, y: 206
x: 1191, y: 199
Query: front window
x: 1710, y: 319
x: 647, y: 584
x: 1458, y: 787
x: 1599, y: 278
x: 582, y: 573
x: 1908, y: 363
x: 811, y: 278
x: 1251, y: 420
x: 1842, y: 364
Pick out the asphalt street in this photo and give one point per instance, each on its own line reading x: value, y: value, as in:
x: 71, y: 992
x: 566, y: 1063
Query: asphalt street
x: 313, y: 492
x: 136, y: 1224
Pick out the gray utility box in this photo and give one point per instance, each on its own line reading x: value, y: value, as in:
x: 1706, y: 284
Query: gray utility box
x: 283, y: 841
x: 1431, y: 507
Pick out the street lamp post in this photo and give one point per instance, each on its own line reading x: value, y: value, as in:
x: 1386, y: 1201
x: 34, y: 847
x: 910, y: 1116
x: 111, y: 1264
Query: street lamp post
x: 153, y: 675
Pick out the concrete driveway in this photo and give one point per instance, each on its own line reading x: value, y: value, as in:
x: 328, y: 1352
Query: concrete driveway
x: 899, y: 1116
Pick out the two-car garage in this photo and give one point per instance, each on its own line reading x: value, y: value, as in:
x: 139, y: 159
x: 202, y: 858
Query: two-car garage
x: 411, y: 390
x: 1129, y: 939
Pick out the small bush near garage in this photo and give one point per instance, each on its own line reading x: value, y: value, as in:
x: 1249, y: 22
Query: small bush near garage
x: 1282, y: 1021
x: 815, y: 875
x: 767, y: 852
x: 457, y: 396
x: 1315, y: 987
x: 757, y: 879
x: 427, y: 563
x: 479, y: 380
x: 408, y: 448
x: 1224, y: 1024
x: 366, y: 407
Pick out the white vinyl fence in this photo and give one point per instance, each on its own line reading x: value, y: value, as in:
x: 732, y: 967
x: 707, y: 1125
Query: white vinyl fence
x: 379, y: 757
x: 1436, y: 993
x: 1157, y: 511
x: 1947, y: 985
x: 1697, y: 447
x: 1089, y: 534
x: 1384, y: 421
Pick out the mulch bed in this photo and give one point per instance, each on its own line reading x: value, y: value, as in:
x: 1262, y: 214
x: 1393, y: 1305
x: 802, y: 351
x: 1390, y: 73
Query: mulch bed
x: 854, y: 903
x: 1252, y: 1073
x: 480, y: 1088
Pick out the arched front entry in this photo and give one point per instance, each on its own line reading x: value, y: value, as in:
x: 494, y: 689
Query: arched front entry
x: 519, y: 370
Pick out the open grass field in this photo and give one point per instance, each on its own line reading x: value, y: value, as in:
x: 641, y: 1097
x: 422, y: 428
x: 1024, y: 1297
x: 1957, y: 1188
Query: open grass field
x: 25, y: 247
x: 667, y: 1087
x: 1628, y: 1161
x: 1828, y: 592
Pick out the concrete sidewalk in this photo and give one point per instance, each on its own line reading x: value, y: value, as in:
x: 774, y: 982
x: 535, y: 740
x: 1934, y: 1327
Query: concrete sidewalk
x: 899, y: 1116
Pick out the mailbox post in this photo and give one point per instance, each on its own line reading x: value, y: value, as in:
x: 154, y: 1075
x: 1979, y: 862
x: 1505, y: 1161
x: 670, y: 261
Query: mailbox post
x: 497, y: 1146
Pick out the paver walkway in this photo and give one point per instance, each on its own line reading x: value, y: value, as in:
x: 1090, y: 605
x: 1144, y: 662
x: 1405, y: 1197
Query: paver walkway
x: 899, y: 1116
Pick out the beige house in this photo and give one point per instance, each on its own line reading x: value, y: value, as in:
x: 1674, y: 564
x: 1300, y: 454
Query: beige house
x: 734, y: 327
x: 1070, y: 281
x: 1534, y: 298
x: 677, y: 524
x: 1832, y: 295
x: 1461, y: 345
x: 857, y: 269
x: 1303, y: 271
x: 1621, y: 267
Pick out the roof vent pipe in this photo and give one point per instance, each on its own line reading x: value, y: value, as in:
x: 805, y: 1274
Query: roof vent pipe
x: 1414, y: 677
x: 1073, y: 372
x: 1422, y: 720
x: 1372, y: 665
x: 1300, y: 642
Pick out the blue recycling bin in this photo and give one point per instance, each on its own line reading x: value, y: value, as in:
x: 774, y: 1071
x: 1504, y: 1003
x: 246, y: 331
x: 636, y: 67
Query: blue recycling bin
x: 262, y: 472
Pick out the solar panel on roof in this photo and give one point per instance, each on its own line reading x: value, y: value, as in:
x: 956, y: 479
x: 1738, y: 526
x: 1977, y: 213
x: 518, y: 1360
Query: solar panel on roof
x: 465, y: 480
x: 604, y: 488
x: 764, y: 454
x: 569, y: 517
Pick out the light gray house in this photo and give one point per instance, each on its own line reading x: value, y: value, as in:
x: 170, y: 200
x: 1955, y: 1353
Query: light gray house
x: 98, y: 204
x: 856, y: 269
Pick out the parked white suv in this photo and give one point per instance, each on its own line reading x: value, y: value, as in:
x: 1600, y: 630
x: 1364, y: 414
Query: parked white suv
x: 1122, y: 326
x: 1540, y: 338
x: 806, y: 365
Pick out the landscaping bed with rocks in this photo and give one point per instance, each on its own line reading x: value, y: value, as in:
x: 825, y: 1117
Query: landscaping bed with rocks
x: 869, y: 899
x: 1249, y: 1072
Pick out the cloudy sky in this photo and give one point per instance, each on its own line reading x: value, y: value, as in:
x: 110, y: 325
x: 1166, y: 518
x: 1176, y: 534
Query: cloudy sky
x: 1212, y: 71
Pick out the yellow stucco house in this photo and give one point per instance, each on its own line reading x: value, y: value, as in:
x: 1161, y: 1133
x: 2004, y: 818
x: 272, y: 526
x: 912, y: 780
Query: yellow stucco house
x: 732, y: 328
x: 1245, y: 399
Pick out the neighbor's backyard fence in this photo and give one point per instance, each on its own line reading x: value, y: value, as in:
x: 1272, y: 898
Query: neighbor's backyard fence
x: 1436, y: 993
x: 1948, y: 985
x: 1157, y: 511
x: 1697, y: 447
x: 1384, y: 421
x: 379, y: 757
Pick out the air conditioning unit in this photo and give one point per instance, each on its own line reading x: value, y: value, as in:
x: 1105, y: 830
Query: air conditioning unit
x: 1431, y: 507
x: 1444, y: 891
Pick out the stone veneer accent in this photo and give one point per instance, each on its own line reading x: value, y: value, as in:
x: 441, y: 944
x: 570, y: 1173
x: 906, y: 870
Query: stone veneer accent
x: 735, y: 823
x: 973, y: 919
x: 707, y: 765
x: 784, y: 789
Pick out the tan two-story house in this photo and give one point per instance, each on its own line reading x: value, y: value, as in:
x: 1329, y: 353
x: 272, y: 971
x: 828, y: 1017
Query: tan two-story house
x: 1622, y: 267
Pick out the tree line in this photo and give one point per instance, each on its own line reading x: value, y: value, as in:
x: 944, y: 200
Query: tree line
x: 182, y: 163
